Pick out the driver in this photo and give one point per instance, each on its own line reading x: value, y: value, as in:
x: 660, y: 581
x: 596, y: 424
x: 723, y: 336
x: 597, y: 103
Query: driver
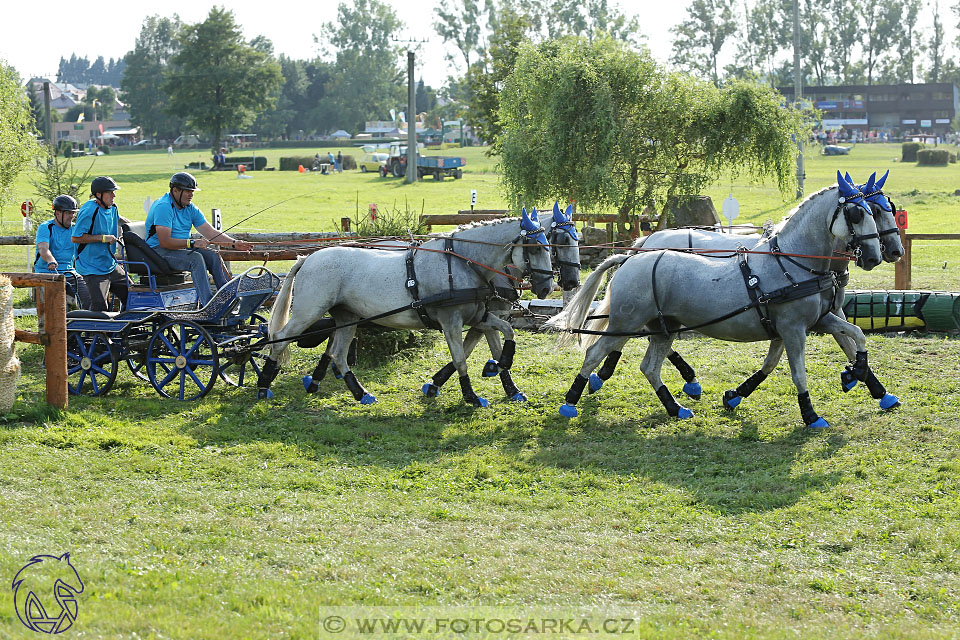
x: 95, y: 231
x: 169, y: 223
x: 55, y: 248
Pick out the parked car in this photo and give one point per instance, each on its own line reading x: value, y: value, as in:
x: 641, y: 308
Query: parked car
x: 372, y: 161
x: 186, y: 141
x: 144, y: 142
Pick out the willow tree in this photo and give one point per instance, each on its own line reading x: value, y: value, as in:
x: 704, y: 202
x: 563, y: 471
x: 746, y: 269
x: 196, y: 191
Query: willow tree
x: 606, y: 126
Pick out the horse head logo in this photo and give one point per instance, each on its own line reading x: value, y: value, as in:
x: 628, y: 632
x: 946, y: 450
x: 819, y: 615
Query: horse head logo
x: 40, y: 587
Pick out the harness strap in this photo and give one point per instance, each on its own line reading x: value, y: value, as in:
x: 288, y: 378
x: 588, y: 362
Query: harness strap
x: 93, y: 220
x: 50, y: 233
x: 653, y: 288
x: 412, y: 288
x: 752, y: 282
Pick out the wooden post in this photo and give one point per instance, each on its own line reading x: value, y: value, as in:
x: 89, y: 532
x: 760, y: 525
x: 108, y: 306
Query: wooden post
x: 344, y: 225
x: 903, y: 279
x: 55, y: 322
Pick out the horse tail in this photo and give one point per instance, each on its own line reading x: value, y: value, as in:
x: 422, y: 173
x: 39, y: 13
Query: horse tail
x: 280, y: 312
x: 597, y: 324
x: 575, y: 313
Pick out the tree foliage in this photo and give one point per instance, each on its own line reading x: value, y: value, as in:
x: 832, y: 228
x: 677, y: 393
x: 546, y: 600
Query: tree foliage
x: 146, y: 64
x: 700, y: 38
x: 217, y: 81
x: 367, y: 79
x: 82, y: 71
x: 18, y: 141
x: 606, y: 126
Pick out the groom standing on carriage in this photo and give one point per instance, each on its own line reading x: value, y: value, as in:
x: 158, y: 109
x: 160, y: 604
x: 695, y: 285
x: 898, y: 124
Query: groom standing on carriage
x: 169, y: 223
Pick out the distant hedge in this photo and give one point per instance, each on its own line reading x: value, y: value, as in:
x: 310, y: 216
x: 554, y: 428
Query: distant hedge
x: 258, y: 162
x: 349, y: 163
x: 293, y: 163
x: 933, y: 157
x: 908, y: 151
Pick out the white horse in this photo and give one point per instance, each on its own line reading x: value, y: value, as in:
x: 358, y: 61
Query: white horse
x: 776, y: 294
x: 890, y: 246
x: 445, y: 283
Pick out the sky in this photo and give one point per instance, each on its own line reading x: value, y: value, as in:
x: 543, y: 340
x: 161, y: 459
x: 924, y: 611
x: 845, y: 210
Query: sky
x: 110, y: 28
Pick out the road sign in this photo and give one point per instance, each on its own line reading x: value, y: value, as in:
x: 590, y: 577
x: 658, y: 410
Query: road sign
x: 473, y: 197
x: 26, y: 208
x: 902, y: 220
x: 217, y: 221
x: 731, y: 208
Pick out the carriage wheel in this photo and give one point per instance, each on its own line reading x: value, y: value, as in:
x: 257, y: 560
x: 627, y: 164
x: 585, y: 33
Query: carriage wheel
x: 241, y: 371
x: 138, y: 366
x: 91, y: 363
x: 182, y: 360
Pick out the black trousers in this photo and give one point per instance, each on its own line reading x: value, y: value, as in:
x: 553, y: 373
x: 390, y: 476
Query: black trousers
x: 98, y: 285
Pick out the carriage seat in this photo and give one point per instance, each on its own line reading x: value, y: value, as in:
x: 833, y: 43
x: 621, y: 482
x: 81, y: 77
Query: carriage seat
x: 137, y: 250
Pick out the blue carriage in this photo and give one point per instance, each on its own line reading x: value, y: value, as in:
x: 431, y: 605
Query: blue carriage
x: 164, y: 336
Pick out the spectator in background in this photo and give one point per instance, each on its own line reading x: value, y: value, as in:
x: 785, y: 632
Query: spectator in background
x: 339, y: 166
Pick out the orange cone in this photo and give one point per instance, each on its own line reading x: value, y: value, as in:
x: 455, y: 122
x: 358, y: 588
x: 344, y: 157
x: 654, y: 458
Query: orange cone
x: 300, y: 168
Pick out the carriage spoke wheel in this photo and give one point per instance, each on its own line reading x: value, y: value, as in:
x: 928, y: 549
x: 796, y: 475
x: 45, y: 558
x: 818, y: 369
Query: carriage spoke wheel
x: 239, y: 371
x: 138, y: 366
x: 182, y: 361
x: 91, y: 363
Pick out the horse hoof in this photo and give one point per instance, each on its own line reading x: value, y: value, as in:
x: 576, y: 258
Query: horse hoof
x: 568, y: 411
x: 430, y: 390
x: 491, y: 369
x: 368, y: 399
x: 819, y: 423
x: 693, y: 390
x: 889, y: 401
x: 264, y: 394
x: 848, y: 380
x: 595, y: 383
x: 309, y: 385
x: 481, y: 403
x: 684, y: 413
x: 731, y: 400
x: 519, y: 396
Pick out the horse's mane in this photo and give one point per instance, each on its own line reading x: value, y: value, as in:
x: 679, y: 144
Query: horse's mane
x: 792, y: 212
x: 481, y: 223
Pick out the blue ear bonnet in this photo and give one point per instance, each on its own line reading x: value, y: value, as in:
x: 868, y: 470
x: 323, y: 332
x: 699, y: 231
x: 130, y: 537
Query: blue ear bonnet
x: 850, y: 194
x: 530, y: 227
x: 873, y: 192
x: 564, y: 221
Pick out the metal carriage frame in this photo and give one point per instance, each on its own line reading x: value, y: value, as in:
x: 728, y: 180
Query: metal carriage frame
x: 181, y: 351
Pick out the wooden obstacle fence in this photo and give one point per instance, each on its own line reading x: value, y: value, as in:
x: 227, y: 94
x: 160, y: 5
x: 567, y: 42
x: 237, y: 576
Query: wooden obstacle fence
x: 52, y: 333
x: 903, y: 278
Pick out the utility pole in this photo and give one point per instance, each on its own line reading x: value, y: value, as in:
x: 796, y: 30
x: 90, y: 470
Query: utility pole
x: 797, y: 90
x: 411, y: 122
x: 48, y: 128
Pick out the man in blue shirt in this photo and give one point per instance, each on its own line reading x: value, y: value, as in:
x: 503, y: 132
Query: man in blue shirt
x: 55, y: 248
x: 169, y: 223
x: 96, y: 231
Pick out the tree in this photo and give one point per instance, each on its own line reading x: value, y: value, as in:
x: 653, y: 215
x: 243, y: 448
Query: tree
x: 880, y: 21
x: 845, y: 36
x: 815, y: 37
x: 218, y: 81
x: 935, y: 46
x: 460, y: 24
x: 765, y: 36
x: 366, y: 80
x: 426, y: 98
x: 18, y: 137
x: 700, y: 38
x: 604, y: 125
x: 145, y: 66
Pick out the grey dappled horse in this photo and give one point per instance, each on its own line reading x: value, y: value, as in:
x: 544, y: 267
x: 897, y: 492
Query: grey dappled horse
x: 565, y: 245
x: 891, y: 248
x: 750, y: 298
x: 447, y: 277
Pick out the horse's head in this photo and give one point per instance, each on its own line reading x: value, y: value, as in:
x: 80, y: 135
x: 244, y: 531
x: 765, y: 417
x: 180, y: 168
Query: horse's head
x: 532, y: 250
x: 46, y: 580
x: 565, y: 245
x: 884, y: 213
x: 856, y: 225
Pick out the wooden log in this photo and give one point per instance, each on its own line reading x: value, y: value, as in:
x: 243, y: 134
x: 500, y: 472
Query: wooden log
x: 55, y: 354
x: 288, y: 237
x: 33, y: 279
x: 16, y: 240
x: 30, y: 337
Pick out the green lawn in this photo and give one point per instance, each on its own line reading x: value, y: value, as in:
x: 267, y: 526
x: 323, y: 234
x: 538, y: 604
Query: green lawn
x: 232, y: 518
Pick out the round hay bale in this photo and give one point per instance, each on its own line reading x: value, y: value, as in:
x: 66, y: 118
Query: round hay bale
x: 9, y: 364
x: 8, y: 384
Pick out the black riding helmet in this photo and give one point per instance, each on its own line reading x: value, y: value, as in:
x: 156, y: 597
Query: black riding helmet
x: 65, y: 203
x: 183, y: 180
x: 103, y: 183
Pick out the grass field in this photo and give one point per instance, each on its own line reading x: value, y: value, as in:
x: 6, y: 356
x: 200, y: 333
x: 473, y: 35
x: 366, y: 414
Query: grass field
x: 232, y: 518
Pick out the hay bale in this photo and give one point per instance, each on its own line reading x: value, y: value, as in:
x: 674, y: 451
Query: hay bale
x: 908, y: 151
x: 9, y: 364
x: 933, y: 157
x: 349, y: 163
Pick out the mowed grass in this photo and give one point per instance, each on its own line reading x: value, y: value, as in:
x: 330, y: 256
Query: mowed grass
x: 232, y: 518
